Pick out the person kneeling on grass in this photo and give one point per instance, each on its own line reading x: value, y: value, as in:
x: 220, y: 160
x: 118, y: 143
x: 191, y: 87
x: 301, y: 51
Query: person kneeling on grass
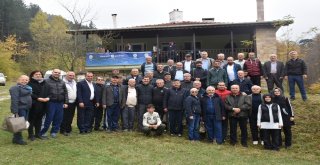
x: 270, y: 120
x: 152, y: 122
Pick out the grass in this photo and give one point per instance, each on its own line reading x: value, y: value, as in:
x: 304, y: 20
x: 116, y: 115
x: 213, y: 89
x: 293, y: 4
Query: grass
x: 134, y: 148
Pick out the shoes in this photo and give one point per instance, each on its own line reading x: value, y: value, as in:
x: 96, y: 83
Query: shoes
x: 19, y: 142
x: 108, y: 131
x: 43, y: 137
x: 179, y: 135
x: 31, y: 138
x: 262, y: 143
x: 172, y: 134
x: 82, y: 133
x: 53, y: 135
x: 125, y: 130
x: 232, y: 143
x: 304, y: 99
x: 245, y: 145
x: 287, y: 147
x: 66, y: 134
x: 255, y: 142
x: 292, y: 98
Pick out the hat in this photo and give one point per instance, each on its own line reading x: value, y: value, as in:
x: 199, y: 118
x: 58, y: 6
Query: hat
x: 188, y: 55
x: 115, y: 76
x: 167, y: 73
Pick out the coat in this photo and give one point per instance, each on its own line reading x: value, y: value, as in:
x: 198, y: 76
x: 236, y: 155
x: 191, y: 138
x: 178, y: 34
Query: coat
x: 238, y: 101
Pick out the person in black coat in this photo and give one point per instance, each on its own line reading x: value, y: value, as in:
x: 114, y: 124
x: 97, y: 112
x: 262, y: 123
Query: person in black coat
x: 39, y: 100
x: 199, y: 74
x: 174, y: 103
x: 144, y: 94
x: 98, y: 110
x: 286, y: 113
x: 244, y: 83
x: 158, y: 93
x: 193, y: 111
x: 87, y: 100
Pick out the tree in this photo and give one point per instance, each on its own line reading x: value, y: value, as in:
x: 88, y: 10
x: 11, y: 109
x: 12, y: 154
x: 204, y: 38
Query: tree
x: 79, y: 18
x: 8, y: 49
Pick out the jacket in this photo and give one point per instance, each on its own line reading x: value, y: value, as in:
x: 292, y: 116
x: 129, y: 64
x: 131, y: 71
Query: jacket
x: 238, y: 101
x: 253, y: 67
x: 20, y: 98
x: 84, y: 93
x: 174, y: 99
x: 158, y: 96
x: 267, y: 69
x: 295, y: 67
x: 217, y: 103
x: 173, y: 73
x: 217, y: 75
x: 138, y: 79
x: 200, y: 73
x: 286, y: 109
x: 245, y: 85
x: 57, y: 90
x: 192, y: 105
x: 38, y: 91
x: 144, y: 93
x: 236, y: 68
x: 108, y: 98
x: 265, y: 117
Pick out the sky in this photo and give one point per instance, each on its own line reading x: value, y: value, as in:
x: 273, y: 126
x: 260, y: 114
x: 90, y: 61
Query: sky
x: 145, y: 12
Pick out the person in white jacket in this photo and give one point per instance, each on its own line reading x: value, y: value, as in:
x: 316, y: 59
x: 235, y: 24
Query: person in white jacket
x: 152, y: 122
x: 270, y: 120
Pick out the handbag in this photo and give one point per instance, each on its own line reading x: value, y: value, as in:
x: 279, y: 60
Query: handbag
x: 14, y: 124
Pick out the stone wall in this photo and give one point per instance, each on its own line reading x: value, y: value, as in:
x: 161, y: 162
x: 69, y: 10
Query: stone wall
x: 265, y: 42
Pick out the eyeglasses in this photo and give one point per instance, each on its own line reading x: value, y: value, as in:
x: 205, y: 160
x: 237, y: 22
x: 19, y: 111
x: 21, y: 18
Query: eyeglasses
x: 194, y: 91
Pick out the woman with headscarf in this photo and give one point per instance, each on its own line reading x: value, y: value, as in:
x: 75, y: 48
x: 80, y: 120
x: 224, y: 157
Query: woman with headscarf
x: 20, y: 104
x: 287, y: 115
x: 39, y: 99
x: 270, y: 120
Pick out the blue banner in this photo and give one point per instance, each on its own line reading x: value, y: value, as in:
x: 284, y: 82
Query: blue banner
x: 116, y: 58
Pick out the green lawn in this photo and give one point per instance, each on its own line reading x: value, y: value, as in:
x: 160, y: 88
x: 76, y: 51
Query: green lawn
x: 134, y: 148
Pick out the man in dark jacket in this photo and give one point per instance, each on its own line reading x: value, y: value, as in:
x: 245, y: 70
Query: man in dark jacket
x: 112, y: 99
x: 58, y: 99
x: 144, y: 93
x: 158, y: 93
x: 87, y: 100
x: 159, y: 73
x: 187, y: 83
x: 232, y: 70
x: 98, y: 110
x: 199, y: 74
x: 170, y: 66
x: 135, y: 75
x: 238, y: 107
x: 216, y: 75
x: 273, y: 72
x: 244, y: 83
x: 213, y: 114
x: 178, y: 73
x: 296, y: 71
x: 173, y: 102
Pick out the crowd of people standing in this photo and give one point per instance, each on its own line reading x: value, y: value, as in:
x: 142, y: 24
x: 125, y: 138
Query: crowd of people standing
x: 221, y: 93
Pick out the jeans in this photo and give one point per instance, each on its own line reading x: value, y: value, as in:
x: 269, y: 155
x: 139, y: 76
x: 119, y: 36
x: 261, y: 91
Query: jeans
x: 233, y: 129
x: 54, y: 116
x: 113, y: 114
x: 299, y: 80
x: 84, y: 118
x: 193, y: 127
x: 68, y: 115
x: 175, y: 120
x: 214, y: 128
x: 18, y: 136
x: 128, y: 117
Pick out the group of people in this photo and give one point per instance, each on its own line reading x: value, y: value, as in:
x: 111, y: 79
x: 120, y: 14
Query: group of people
x: 217, y: 92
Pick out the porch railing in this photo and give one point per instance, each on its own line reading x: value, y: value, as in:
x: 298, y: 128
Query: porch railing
x: 178, y: 55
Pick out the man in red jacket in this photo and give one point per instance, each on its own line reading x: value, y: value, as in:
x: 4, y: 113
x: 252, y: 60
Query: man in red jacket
x: 253, y: 67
